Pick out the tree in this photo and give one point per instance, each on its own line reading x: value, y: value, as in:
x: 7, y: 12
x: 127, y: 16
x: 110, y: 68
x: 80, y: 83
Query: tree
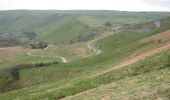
x: 38, y: 45
x: 108, y: 24
x: 30, y: 35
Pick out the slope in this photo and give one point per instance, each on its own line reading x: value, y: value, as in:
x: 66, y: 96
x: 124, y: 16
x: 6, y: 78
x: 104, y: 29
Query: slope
x: 134, y: 70
x: 116, y: 48
x: 58, y: 26
x: 67, y: 31
x: 149, y: 81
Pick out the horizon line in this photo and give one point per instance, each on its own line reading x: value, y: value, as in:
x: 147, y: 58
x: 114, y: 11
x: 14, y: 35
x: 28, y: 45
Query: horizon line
x: 79, y: 10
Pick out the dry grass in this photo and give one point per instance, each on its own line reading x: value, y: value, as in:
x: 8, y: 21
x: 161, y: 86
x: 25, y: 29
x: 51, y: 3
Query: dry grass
x: 7, y: 53
x: 162, y: 37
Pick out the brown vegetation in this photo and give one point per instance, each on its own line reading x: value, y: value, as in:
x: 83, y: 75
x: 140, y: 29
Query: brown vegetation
x: 162, y: 37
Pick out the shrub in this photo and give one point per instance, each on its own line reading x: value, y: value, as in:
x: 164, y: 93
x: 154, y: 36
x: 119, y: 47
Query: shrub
x: 168, y: 61
x: 38, y: 45
x: 14, y: 73
x: 159, y: 41
x: 108, y: 24
x: 31, y: 35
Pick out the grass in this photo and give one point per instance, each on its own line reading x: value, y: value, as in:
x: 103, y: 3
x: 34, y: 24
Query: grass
x: 62, y: 26
x: 70, y: 52
x: 148, y: 86
x: 67, y: 79
x: 115, y: 48
x: 65, y: 31
x: 134, y: 70
x: 142, y: 72
x: 21, y: 58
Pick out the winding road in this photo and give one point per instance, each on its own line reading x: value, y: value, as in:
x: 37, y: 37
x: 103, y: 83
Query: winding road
x: 93, y: 48
x: 89, y: 45
x: 96, y: 50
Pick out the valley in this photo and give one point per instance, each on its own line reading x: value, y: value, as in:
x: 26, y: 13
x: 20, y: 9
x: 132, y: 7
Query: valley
x: 85, y: 55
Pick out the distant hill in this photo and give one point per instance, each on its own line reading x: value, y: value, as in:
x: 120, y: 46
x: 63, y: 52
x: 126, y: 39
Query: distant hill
x: 62, y: 26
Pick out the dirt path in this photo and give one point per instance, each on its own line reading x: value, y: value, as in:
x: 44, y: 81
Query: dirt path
x: 93, y: 48
x: 96, y: 50
x: 136, y: 58
x: 64, y: 60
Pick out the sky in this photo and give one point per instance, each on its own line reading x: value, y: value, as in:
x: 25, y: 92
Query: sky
x: 122, y: 5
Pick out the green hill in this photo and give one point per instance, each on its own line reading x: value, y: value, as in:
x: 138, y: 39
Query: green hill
x: 126, y: 66
x: 62, y: 80
x: 64, y: 26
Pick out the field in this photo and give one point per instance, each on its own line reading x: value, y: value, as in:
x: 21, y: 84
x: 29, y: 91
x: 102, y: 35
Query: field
x: 133, y: 62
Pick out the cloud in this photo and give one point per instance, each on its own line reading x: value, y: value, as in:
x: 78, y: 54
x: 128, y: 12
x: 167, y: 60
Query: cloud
x: 126, y: 5
x: 160, y: 4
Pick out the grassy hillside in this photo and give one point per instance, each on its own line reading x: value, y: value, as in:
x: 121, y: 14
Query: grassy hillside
x: 152, y: 73
x: 20, y: 21
x: 58, y: 81
x: 148, y: 79
x: 64, y: 26
x: 66, y: 30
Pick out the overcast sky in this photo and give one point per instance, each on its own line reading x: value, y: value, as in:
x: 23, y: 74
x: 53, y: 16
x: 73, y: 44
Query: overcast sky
x: 125, y: 5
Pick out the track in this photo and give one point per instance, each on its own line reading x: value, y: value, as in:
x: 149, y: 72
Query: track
x: 126, y: 63
x: 136, y: 58
x: 64, y: 60
x: 89, y: 45
x: 96, y: 50
x: 93, y: 48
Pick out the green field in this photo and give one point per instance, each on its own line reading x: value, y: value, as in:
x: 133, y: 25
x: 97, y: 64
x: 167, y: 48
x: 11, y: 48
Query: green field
x: 87, y: 75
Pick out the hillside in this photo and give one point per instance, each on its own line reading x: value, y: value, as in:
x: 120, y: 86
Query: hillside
x: 133, y: 62
x: 66, y: 26
x: 147, y: 79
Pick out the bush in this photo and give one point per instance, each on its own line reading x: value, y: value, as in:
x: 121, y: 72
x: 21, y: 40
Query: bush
x: 31, y: 35
x: 168, y: 61
x: 159, y: 41
x: 108, y: 24
x: 14, y: 73
x: 38, y: 45
x: 8, y: 40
